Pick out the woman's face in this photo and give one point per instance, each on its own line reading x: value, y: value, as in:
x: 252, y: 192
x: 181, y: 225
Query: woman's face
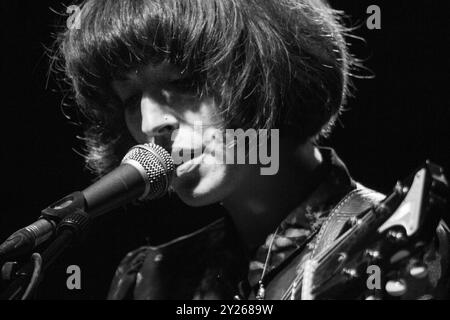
x: 160, y: 107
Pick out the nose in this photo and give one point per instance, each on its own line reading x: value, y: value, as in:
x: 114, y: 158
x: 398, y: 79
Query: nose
x: 157, y: 119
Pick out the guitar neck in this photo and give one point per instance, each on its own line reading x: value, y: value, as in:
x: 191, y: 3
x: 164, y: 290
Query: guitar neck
x: 360, y: 231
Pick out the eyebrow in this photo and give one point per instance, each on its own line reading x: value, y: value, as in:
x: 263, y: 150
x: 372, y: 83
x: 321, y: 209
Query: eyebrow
x: 130, y: 75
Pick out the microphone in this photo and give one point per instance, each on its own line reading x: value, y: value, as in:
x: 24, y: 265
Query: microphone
x: 144, y: 174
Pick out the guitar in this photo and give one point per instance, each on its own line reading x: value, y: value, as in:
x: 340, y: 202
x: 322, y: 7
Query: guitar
x: 378, y: 243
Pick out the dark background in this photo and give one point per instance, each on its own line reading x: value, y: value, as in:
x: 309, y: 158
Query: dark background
x: 396, y: 121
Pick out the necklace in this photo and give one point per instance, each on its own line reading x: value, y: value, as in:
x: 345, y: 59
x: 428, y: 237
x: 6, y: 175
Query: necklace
x: 261, y: 293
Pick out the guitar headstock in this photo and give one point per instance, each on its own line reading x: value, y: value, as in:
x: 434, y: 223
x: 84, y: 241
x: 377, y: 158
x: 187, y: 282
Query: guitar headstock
x: 388, y: 243
x: 424, y: 192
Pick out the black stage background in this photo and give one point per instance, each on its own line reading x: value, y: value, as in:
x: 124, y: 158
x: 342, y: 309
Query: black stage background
x: 395, y: 122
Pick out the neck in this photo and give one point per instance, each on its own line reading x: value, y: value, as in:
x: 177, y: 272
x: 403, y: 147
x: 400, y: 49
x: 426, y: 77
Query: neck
x: 263, y: 201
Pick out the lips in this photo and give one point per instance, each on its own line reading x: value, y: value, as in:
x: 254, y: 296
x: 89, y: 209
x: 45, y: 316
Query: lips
x: 189, y: 165
x: 184, y: 155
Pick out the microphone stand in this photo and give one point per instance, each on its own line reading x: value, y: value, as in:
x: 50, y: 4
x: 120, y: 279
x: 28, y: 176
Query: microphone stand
x: 69, y: 229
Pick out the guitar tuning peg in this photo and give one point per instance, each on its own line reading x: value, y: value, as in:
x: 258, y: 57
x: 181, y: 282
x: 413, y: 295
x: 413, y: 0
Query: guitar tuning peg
x: 350, y: 273
x: 372, y: 255
x: 396, y: 288
x: 373, y: 297
x: 418, y: 271
x: 400, y: 188
x: 400, y: 255
x: 396, y: 236
x: 420, y: 244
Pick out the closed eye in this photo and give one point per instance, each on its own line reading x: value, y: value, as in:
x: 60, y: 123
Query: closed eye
x: 184, y: 86
x: 132, y: 102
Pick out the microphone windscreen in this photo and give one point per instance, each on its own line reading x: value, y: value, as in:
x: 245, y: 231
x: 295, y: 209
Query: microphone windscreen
x: 155, y: 165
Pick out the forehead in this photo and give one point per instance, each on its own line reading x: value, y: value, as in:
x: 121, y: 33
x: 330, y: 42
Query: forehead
x: 150, y: 73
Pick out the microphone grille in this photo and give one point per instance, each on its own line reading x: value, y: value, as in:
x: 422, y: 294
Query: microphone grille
x: 156, y: 166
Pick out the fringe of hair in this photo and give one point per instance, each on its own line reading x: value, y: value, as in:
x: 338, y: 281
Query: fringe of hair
x: 274, y: 64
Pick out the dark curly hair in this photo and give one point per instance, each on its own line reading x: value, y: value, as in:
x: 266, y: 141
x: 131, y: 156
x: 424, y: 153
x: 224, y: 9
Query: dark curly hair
x: 273, y: 63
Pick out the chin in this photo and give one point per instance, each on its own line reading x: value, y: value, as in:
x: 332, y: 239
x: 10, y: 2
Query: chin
x: 194, y: 200
x: 195, y: 197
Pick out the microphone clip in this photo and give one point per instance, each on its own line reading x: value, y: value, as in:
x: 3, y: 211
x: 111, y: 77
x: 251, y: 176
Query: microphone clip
x: 57, y: 211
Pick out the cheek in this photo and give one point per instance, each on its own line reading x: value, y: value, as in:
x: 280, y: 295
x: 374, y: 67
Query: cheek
x: 220, y: 181
x: 219, y: 165
x: 211, y: 184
